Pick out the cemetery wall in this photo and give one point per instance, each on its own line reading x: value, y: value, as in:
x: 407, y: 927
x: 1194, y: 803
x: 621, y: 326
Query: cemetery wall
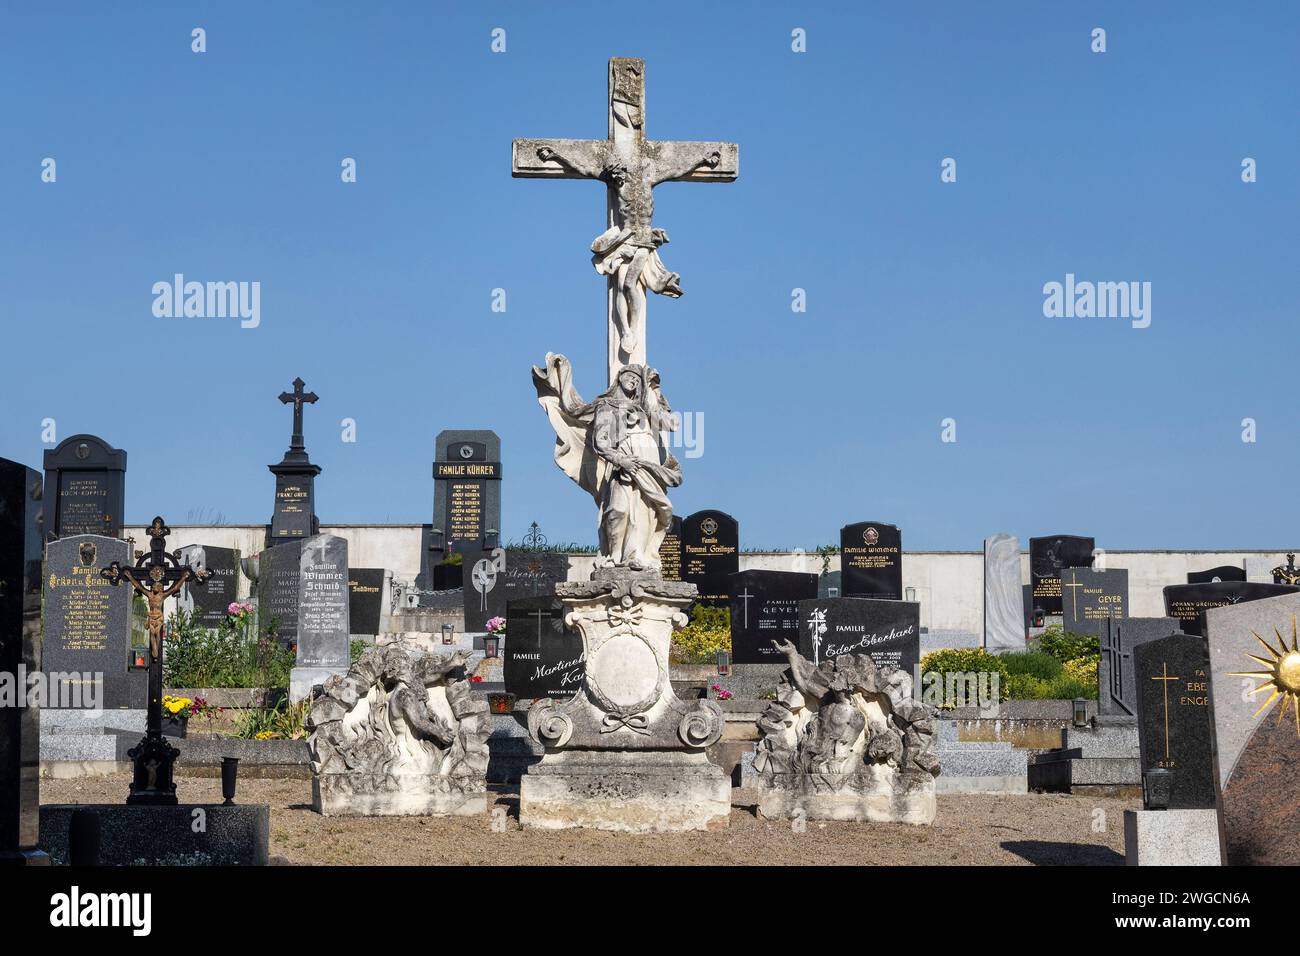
x: 949, y: 585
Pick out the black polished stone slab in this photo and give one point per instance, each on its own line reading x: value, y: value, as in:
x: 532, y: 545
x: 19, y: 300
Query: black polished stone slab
x: 765, y: 608
x: 210, y: 600
x: 466, y: 493
x: 21, y: 535
x: 511, y: 574
x: 1189, y: 602
x: 1090, y: 597
x: 541, y: 658
x: 710, y: 554
x: 88, y: 626
x: 670, y: 551
x: 1047, y: 556
x: 366, y: 600
x: 1173, y: 709
x: 888, y: 631
x: 1116, y: 681
x: 85, y: 488
x: 1225, y: 572
x: 871, y: 560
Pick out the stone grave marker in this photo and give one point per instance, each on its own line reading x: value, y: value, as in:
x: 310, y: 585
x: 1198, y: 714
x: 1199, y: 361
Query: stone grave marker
x: 21, y: 534
x: 1254, y: 679
x: 1173, y: 708
x: 710, y: 554
x: 1116, y: 672
x: 467, y: 492
x: 294, y: 514
x: 1004, y: 612
x: 88, y: 626
x: 1189, y: 602
x: 369, y: 593
x: 210, y: 600
x: 323, y: 626
x: 830, y: 584
x: 514, y: 574
x: 279, y: 569
x: 1225, y: 572
x: 542, y: 658
x: 871, y: 560
x: 765, y: 608
x: 85, y: 488
x: 1047, y: 557
x: 670, y: 551
x: 1091, y: 597
x: 889, y: 631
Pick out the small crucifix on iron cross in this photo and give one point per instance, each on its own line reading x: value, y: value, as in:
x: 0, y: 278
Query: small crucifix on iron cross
x: 630, y: 166
x: 298, y: 398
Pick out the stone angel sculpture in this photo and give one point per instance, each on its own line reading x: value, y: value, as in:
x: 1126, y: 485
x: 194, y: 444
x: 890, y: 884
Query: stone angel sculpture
x: 613, y: 447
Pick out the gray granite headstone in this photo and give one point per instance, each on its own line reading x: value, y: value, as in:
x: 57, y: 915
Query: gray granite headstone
x: 1090, y: 597
x: 1173, y: 698
x: 277, y: 589
x: 88, y: 625
x: 323, y: 627
x: 20, y: 628
x: 1256, y: 735
x: 210, y: 600
x: 1120, y: 637
x: 1004, y: 612
x: 888, y: 631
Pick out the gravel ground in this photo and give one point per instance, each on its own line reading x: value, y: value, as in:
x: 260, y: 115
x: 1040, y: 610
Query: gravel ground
x: 969, y: 830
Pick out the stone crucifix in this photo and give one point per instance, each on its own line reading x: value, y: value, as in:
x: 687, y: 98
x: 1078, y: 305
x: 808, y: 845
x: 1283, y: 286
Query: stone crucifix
x: 297, y: 398
x: 630, y: 166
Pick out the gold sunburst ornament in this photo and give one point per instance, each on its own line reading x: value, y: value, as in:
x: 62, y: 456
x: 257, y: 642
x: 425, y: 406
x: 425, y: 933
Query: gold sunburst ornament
x: 1282, y: 676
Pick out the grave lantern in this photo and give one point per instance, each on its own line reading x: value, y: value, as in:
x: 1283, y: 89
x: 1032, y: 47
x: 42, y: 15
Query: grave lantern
x: 724, y: 663
x: 491, y: 646
x: 1157, y: 787
x: 1039, y: 616
x: 491, y: 539
x: 1080, y: 712
x: 447, y: 631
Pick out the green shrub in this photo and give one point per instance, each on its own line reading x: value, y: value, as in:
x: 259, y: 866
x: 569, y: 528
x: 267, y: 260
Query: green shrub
x: 1061, y: 687
x: 1033, y: 663
x: 960, y: 660
x: 1065, y: 646
x: 233, y: 655
x: 699, y: 641
x: 284, y: 721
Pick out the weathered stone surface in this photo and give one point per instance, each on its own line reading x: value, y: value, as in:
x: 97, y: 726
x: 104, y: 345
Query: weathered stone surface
x: 1004, y: 613
x: 400, y: 734
x: 1171, y: 838
x: 846, y: 740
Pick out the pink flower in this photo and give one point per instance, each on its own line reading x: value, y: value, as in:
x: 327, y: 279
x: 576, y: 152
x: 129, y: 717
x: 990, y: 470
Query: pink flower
x: 496, y: 625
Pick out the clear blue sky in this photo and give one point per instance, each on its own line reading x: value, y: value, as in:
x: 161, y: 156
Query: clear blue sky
x: 924, y: 299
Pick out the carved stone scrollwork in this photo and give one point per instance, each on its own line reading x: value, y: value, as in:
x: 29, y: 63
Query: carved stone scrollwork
x: 548, y: 726
x: 702, y: 727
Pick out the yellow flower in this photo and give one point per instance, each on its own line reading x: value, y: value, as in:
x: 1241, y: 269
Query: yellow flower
x: 264, y: 735
x: 174, y: 705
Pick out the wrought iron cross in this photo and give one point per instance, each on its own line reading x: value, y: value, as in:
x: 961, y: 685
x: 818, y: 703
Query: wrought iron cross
x: 156, y: 576
x: 298, y: 398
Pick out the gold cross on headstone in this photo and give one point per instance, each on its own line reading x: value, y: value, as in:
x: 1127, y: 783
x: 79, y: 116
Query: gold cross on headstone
x: 1074, y: 595
x: 630, y: 166
x: 1165, y: 687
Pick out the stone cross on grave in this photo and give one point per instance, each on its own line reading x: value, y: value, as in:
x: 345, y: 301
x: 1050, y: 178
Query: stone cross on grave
x: 156, y: 576
x: 630, y: 166
x: 297, y: 398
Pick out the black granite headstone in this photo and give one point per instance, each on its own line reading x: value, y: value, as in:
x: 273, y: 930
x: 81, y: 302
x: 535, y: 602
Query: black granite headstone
x: 85, y: 487
x: 365, y: 600
x: 1173, y: 698
x: 830, y: 584
x: 1226, y: 572
x: 467, y: 492
x: 670, y: 552
x: 509, y: 575
x: 1047, y: 556
x: 888, y: 631
x: 541, y: 657
x: 294, y: 514
x: 765, y: 608
x: 1091, y: 597
x: 871, y: 560
x: 21, y: 533
x: 1189, y: 602
x: 1120, y: 637
x: 211, y: 600
x: 88, y: 626
x: 710, y: 554
x: 277, y: 589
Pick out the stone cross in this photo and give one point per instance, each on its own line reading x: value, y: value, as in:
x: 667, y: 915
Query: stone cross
x: 1114, y: 648
x: 745, y: 596
x: 630, y: 166
x: 1074, y: 595
x: 297, y: 398
x: 1165, y: 687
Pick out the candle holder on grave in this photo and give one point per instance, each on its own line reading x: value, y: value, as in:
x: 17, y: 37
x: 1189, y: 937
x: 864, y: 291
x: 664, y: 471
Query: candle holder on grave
x: 156, y: 576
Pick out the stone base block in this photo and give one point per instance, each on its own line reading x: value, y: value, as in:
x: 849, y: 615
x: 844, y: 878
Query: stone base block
x: 636, y: 792
x: 1009, y: 784
x: 303, y: 679
x: 891, y: 798
x: 1171, y: 838
x: 237, y: 835
x: 383, y: 795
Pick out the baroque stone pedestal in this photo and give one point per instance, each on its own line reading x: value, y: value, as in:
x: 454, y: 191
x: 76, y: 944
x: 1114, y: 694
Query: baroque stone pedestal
x: 625, y: 753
